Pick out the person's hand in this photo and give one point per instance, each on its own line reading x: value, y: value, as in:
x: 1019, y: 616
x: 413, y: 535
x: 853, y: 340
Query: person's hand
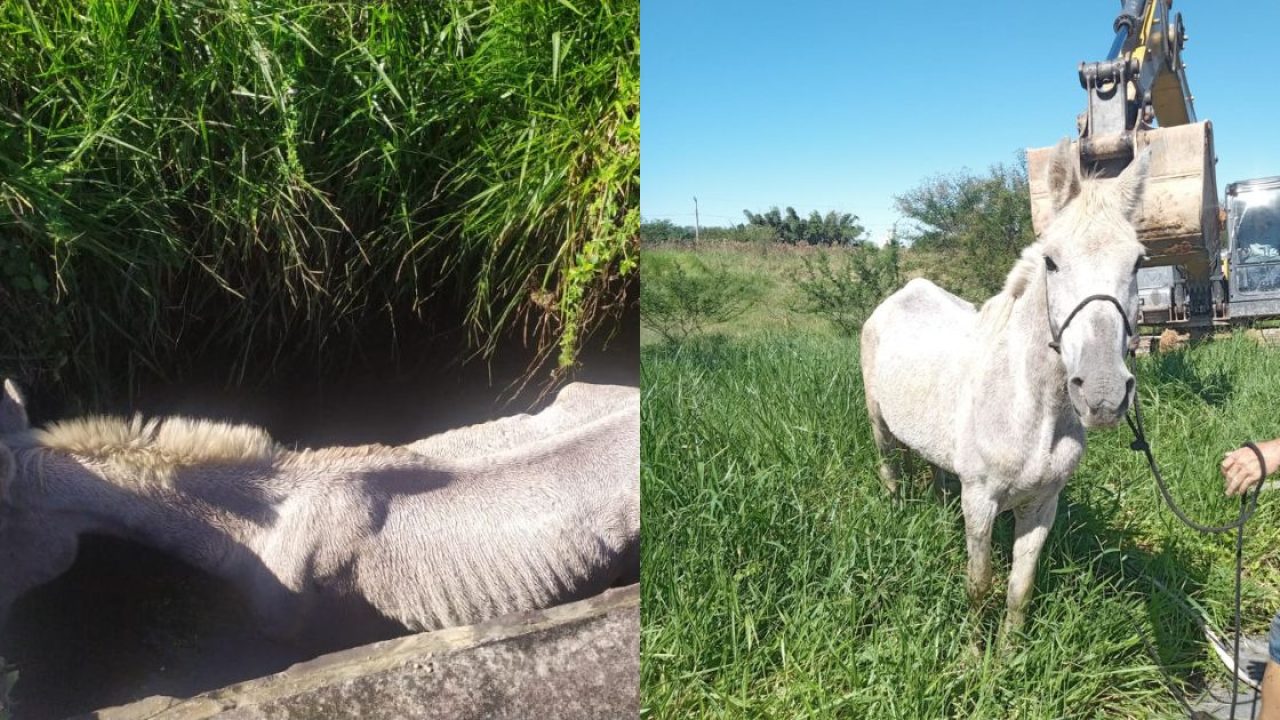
x: 1240, y: 467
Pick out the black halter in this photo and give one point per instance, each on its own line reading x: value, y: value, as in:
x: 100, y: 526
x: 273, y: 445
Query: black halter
x: 1056, y: 343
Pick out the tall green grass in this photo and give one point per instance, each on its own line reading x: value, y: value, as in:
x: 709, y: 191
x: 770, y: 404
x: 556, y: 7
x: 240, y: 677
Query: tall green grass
x: 291, y: 179
x: 785, y: 307
x: 780, y: 581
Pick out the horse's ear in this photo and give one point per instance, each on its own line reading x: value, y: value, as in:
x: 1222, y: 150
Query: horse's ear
x: 1064, y: 175
x: 13, y: 409
x: 1131, y: 183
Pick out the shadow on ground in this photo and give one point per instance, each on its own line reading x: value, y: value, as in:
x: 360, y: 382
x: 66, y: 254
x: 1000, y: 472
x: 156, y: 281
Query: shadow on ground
x: 1213, y: 387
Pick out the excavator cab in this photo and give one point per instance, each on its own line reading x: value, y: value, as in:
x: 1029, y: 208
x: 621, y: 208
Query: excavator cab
x: 1253, y: 260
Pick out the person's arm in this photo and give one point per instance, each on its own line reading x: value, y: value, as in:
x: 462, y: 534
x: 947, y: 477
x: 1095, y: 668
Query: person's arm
x: 1240, y: 467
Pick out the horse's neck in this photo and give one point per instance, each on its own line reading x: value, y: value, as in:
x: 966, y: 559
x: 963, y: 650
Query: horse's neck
x: 186, y: 526
x: 1035, y: 376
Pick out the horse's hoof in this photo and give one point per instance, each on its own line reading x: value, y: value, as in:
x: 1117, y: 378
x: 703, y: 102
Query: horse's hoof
x: 1010, y: 633
x: 978, y: 596
x: 977, y: 649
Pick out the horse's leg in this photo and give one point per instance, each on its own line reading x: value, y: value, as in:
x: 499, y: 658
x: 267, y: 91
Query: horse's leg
x: 892, y: 451
x: 1031, y: 526
x: 980, y: 510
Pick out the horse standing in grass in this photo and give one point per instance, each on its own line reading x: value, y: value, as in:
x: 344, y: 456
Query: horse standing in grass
x: 340, y: 545
x: 1001, y: 397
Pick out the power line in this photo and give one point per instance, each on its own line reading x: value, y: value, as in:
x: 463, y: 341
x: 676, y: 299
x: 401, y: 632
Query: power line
x: 687, y: 215
x: 869, y: 226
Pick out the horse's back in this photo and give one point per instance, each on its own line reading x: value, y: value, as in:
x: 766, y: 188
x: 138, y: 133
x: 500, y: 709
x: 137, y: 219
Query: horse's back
x: 921, y: 315
x: 575, y: 405
x: 914, y: 347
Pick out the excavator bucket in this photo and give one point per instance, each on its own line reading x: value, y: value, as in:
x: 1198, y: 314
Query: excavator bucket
x: 1178, y: 220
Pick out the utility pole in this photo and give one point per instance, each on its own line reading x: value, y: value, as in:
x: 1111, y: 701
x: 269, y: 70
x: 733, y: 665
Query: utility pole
x: 696, y: 231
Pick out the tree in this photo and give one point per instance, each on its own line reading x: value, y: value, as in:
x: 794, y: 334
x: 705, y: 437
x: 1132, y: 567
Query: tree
x: 984, y: 221
x: 663, y: 231
x: 835, y: 228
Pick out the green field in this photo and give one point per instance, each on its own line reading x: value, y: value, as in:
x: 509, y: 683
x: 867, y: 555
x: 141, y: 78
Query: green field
x: 779, y: 579
x: 775, y: 266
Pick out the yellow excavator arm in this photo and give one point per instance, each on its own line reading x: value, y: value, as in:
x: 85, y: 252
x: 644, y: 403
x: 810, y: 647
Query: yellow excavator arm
x: 1138, y: 98
x: 1158, y: 51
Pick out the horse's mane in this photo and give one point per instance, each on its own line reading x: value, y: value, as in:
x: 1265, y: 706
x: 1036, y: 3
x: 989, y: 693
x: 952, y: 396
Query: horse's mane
x: 154, y: 447
x: 995, y: 312
x: 139, y: 451
x: 1096, y: 203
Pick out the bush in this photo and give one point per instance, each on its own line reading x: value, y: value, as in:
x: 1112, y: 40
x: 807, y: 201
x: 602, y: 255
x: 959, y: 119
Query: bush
x: 845, y: 293
x: 680, y: 298
x: 981, y: 222
x: 654, y: 232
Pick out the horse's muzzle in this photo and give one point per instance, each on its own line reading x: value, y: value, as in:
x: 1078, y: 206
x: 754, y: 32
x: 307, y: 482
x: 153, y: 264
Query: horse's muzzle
x: 1102, y: 402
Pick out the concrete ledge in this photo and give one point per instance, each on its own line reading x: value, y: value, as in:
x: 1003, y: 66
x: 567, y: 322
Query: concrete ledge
x: 580, y: 660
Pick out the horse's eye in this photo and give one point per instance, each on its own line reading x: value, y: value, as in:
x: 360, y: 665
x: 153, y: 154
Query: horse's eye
x: 1049, y: 264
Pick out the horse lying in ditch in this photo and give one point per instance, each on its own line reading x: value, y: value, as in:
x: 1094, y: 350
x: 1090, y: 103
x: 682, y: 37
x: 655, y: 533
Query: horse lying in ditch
x: 523, y: 513
x: 1001, y: 397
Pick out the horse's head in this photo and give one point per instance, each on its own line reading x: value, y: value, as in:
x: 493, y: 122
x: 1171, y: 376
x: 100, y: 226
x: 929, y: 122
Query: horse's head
x: 1091, y: 258
x: 33, y: 549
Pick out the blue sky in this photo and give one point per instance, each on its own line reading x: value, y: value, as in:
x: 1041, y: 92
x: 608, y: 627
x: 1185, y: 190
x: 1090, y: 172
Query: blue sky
x: 843, y: 105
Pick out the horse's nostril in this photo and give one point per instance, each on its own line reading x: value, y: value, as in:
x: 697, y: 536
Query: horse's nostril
x: 1077, y: 381
x: 1128, y: 386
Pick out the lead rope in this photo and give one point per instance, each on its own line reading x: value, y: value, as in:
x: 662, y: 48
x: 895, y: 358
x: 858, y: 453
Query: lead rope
x: 1247, y: 507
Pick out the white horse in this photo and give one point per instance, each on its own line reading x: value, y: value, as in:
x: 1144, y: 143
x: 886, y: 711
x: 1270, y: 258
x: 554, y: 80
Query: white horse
x: 340, y: 545
x: 1001, y: 397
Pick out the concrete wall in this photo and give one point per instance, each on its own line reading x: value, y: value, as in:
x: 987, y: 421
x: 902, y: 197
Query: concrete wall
x: 580, y: 660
